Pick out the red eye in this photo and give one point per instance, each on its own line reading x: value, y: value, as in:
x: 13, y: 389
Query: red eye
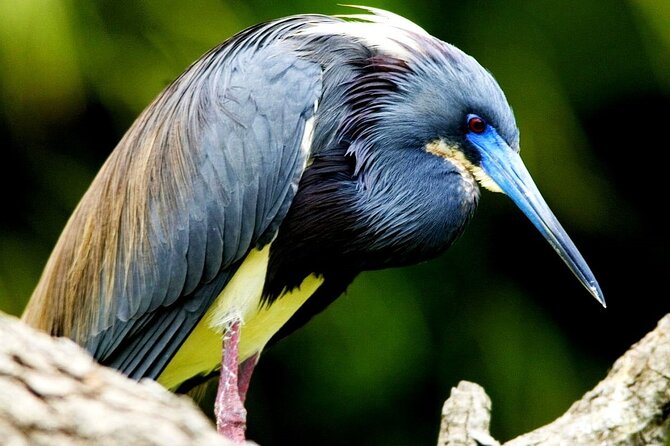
x: 476, y: 124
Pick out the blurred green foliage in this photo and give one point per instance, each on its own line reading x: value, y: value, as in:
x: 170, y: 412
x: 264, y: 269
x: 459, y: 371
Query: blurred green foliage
x: 590, y: 84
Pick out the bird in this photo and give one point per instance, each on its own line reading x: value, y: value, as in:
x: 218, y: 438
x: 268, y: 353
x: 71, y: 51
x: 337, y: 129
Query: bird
x: 261, y: 182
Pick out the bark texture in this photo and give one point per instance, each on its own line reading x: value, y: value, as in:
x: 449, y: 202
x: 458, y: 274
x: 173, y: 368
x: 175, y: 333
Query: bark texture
x: 629, y: 407
x: 53, y: 393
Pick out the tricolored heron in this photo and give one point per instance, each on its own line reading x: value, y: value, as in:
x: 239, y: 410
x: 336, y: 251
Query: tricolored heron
x: 263, y: 180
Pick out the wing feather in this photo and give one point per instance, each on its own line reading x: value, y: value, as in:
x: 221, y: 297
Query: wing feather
x: 204, y: 175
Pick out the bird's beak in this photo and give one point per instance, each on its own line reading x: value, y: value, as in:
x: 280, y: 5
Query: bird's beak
x: 505, y: 168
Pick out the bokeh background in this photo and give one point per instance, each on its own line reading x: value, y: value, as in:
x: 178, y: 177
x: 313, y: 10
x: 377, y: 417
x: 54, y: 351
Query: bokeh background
x: 589, y: 81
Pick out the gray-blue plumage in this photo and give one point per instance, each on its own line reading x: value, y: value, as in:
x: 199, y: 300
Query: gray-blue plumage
x: 224, y: 111
x: 253, y: 94
x: 347, y: 146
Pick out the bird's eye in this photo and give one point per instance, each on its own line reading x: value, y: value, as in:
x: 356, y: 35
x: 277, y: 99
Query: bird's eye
x: 476, y: 124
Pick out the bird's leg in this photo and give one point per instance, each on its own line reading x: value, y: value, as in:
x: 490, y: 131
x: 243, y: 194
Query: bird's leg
x: 245, y: 371
x: 231, y: 416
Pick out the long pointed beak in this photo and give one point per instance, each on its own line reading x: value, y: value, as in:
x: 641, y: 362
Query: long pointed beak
x: 504, y: 166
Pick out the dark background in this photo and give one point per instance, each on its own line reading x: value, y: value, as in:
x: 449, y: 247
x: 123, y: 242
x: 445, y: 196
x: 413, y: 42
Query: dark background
x: 589, y: 81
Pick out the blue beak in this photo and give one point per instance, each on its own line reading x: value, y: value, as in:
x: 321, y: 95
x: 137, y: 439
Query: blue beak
x: 504, y: 166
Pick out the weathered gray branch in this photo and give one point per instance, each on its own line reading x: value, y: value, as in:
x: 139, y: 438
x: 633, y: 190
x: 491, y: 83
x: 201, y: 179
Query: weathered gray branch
x: 629, y: 407
x: 53, y: 393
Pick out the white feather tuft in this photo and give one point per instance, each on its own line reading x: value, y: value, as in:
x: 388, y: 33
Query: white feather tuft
x: 385, y: 17
x: 388, y: 32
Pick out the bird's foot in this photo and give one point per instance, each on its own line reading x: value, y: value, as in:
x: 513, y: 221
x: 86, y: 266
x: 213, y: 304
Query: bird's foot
x: 231, y: 422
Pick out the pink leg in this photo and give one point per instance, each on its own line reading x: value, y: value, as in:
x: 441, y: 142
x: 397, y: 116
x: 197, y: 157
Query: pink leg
x: 246, y: 369
x: 231, y: 416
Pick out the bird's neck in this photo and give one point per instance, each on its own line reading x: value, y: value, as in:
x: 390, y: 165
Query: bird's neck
x: 415, y: 206
x: 393, y: 214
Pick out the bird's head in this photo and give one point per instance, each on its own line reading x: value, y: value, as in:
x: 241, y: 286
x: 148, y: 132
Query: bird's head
x: 420, y: 92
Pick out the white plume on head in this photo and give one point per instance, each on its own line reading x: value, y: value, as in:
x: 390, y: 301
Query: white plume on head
x: 378, y: 28
x: 385, y: 17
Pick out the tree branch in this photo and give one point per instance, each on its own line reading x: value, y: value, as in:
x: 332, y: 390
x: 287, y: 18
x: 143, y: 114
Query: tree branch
x: 53, y: 393
x: 629, y: 407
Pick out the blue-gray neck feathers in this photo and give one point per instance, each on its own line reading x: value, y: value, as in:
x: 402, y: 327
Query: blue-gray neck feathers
x: 373, y: 196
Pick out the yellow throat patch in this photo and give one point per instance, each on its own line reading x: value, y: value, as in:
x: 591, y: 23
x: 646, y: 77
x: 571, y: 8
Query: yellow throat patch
x: 457, y: 158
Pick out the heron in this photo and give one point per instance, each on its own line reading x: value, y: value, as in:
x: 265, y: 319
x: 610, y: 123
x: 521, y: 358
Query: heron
x: 256, y: 187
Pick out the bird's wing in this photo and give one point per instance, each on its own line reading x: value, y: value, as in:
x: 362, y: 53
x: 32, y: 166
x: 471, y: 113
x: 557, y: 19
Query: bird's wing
x: 206, y: 174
